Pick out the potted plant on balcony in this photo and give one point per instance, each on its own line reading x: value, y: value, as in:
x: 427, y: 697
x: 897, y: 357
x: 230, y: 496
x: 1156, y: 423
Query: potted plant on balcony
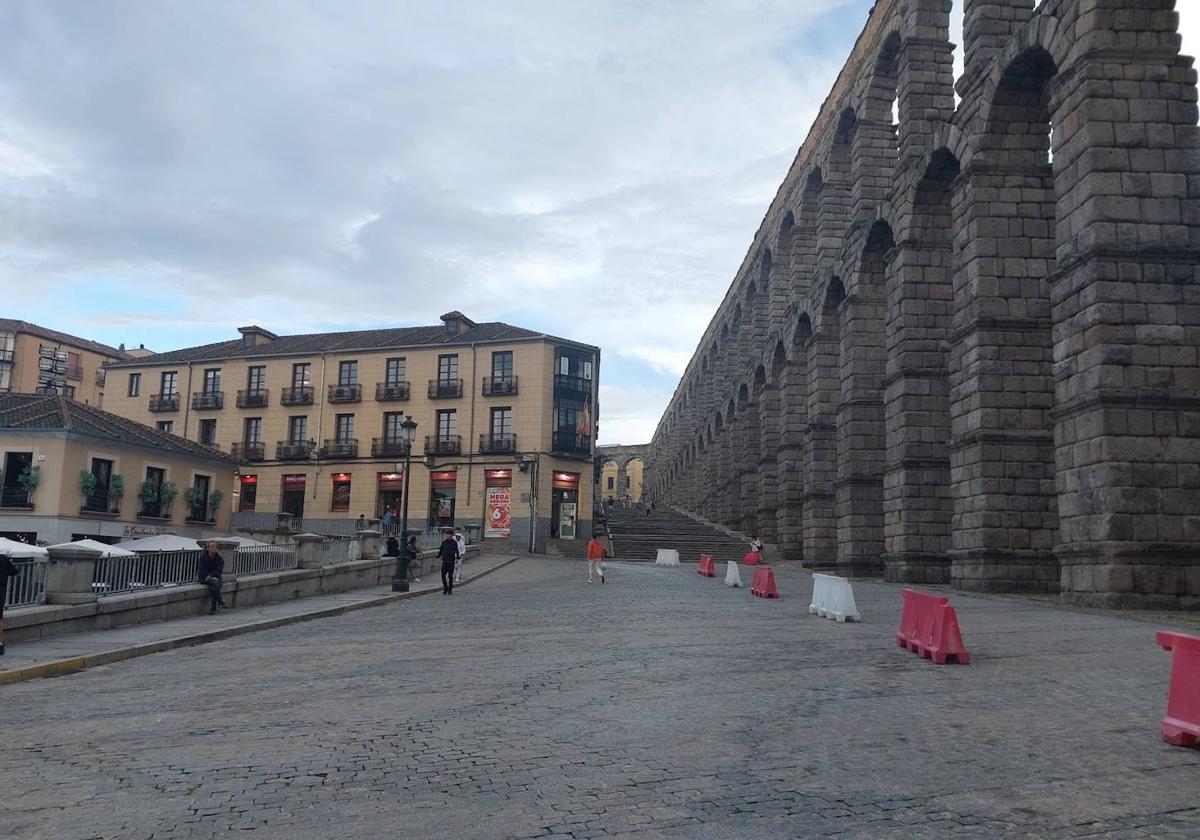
x: 149, y: 497
x: 87, y: 486
x: 28, y: 481
x: 214, y: 504
x: 166, y: 495
x: 116, y: 492
x: 194, y: 497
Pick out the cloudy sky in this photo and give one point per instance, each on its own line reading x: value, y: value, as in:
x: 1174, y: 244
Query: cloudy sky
x: 594, y: 168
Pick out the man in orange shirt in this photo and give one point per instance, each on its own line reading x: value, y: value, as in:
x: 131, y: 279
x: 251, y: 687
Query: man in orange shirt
x: 595, y: 557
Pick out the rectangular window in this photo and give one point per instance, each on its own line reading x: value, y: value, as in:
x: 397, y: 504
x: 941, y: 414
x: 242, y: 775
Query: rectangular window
x: 502, y: 366
x: 212, y: 380
x: 256, y: 379
x: 135, y: 384
x: 447, y: 423
x: 448, y: 368
x: 343, y: 426
x: 169, y: 383
x: 199, y: 502
x: 208, y: 432
x: 5, y: 378
x: 392, y: 433
x: 69, y: 391
x: 253, y: 430
x: 341, y: 492
x: 8, y: 346
x: 564, y: 365
x: 348, y: 373
x: 74, y: 366
x: 297, y: 430
x: 502, y: 422
x: 167, y: 426
x: 302, y: 375
x: 249, y: 492
x: 150, y: 494
x: 587, y: 369
x: 610, y: 482
x: 397, y: 372
x: 97, y: 500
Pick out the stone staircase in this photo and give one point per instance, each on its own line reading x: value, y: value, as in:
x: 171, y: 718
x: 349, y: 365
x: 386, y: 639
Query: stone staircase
x: 636, y: 536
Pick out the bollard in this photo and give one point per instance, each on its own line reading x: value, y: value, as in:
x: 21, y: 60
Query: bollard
x: 833, y: 598
x: 69, y: 575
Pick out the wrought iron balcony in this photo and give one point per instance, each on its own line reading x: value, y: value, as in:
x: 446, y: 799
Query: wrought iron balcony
x: 98, y: 501
x: 248, y: 450
x: 300, y: 395
x: 15, y: 497
x: 208, y: 400
x: 391, y: 391
x: 155, y: 509
x: 197, y: 513
x: 570, y: 443
x: 499, y: 386
x: 443, y: 444
x: 389, y: 447
x: 345, y: 448
x: 572, y: 385
x: 259, y: 398
x: 294, y: 450
x: 164, y: 402
x: 497, y: 444
x: 440, y: 389
x: 345, y: 393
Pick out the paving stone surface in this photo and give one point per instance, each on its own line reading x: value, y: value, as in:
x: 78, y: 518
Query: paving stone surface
x: 660, y: 704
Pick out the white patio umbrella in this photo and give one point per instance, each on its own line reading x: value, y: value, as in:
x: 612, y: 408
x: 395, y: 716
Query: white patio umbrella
x: 95, y: 545
x: 161, y: 542
x: 244, y: 542
x: 15, y: 550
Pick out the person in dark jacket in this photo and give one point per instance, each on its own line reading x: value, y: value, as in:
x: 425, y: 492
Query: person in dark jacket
x: 212, y: 567
x: 448, y: 554
x: 414, y: 571
x: 393, y: 546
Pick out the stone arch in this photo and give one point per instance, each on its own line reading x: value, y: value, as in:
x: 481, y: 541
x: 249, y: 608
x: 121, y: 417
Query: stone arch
x: 882, y: 103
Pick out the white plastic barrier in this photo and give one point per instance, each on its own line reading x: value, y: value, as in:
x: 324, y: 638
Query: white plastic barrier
x: 732, y: 576
x: 667, y: 557
x: 833, y: 598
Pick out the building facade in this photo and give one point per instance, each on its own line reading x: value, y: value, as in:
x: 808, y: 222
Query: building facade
x: 964, y: 344
x: 71, y: 470
x: 505, y: 424
x: 622, y: 471
x: 23, y: 346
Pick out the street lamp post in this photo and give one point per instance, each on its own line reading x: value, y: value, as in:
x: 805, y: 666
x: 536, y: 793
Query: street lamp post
x: 408, y: 429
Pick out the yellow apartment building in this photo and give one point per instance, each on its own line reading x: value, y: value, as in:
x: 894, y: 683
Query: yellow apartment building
x: 72, y: 470
x: 505, y: 426
x: 24, y: 345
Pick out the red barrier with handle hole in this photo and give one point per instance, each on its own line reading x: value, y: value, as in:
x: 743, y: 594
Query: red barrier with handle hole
x: 929, y: 627
x: 1181, y: 726
x: 763, y: 585
x: 706, y: 567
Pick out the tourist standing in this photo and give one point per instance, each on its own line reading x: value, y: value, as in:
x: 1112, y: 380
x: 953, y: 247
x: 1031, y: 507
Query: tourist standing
x: 410, y: 546
x: 360, y: 524
x: 596, y: 552
x: 448, y: 554
x: 389, y: 521
x: 212, y: 568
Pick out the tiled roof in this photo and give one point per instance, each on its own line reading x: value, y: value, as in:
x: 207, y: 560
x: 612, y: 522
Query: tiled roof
x: 383, y: 339
x: 12, y: 325
x: 56, y: 413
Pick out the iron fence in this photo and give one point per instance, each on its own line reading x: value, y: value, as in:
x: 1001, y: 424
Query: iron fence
x: 149, y: 570
x: 28, y: 587
x: 339, y: 550
x: 261, y: 559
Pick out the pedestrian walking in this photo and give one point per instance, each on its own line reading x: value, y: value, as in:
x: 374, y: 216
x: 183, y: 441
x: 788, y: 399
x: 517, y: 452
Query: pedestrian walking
x: 462, y: 554
x: 448, y: 554
x: 211, y: 570
x: 410, y: 546
x: 596, y: 552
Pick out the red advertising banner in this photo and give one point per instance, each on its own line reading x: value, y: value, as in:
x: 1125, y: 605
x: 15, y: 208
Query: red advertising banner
x: 498, y: 521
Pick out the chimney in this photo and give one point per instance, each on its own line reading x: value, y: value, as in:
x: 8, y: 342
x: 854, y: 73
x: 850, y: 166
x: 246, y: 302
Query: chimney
x: 457, y: 323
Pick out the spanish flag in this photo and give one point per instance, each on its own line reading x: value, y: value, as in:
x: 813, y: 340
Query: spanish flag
x: 585, y: 420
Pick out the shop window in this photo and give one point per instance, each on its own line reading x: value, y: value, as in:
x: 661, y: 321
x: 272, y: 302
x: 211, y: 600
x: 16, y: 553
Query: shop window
x: 249, y: 493
x: 442, y: 498
x: 341, y: 492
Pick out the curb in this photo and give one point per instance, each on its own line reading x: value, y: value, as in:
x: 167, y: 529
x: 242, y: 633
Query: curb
x: 61, y: 667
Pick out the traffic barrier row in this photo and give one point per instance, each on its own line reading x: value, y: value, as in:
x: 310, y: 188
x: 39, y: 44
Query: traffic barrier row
x: 833, y: 598
x: 763, y: 585
x: 706, y: 566
x: 1181, y: 726
x: 929, y: 627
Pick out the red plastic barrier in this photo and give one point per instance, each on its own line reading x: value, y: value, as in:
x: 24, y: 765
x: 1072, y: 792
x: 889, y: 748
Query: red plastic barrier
x: 763, y: 585
x: 929, y: 627
x: 751, y: 559
x: 1181, y: 726
x: 707, y: 567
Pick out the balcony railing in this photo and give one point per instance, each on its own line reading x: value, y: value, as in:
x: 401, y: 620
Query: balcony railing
x: 443, y: 444
x: 345, y: 393
x: 208, y: 400
x: 391, y: 391
x: 98, y: 502
x: 344, y: 448
x: 199, y: 513
x: 440, y: 389
x: 248, y: 450
x: 571, y: 443
x: 164, y: 402
x: 15, y: 497
x: 155, y: 509
x: 253, y: 399
x: 497, y: 444
x: 389, y: 448
x: 294, y: 450
x: 300, y: 395
x: 75, y: 371
x: 499, y: 386
x: 566, y: 384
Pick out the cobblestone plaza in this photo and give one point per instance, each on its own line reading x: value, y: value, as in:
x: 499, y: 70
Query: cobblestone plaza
x: 660, y: 704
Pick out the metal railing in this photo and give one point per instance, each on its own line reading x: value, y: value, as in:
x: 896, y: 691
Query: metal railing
x: 99, y: 501
x: 253, y: 520
x: 164, y: 402
x: 296, y: 396
x: 391, y: 391
x: 152, y: 509
x: 248, y: 450
x: 254, y: 399
x: 345, y: 393
x: 495, y: 386
x: 145, y: 571
x: 443, y: 444
x: 334, y: 448
x: 389, y: 448
x: 297, y: 450
x: 15, y: 497
x: 208, y: 400
x: 261, y: 559
x: 443, y: 388
x: 28, y: 587
x: 572, y: 443
x: 497, y: 444
x: 339, y: 550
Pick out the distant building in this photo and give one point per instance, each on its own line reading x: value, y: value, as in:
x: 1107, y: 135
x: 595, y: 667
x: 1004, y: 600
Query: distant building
x: 140, y: 481
x: 622, y: 470
x: 316, y: 423
x: 20, y: 342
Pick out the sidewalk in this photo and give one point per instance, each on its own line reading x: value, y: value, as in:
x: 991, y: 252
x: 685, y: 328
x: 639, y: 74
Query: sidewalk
x: 28, y: 660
